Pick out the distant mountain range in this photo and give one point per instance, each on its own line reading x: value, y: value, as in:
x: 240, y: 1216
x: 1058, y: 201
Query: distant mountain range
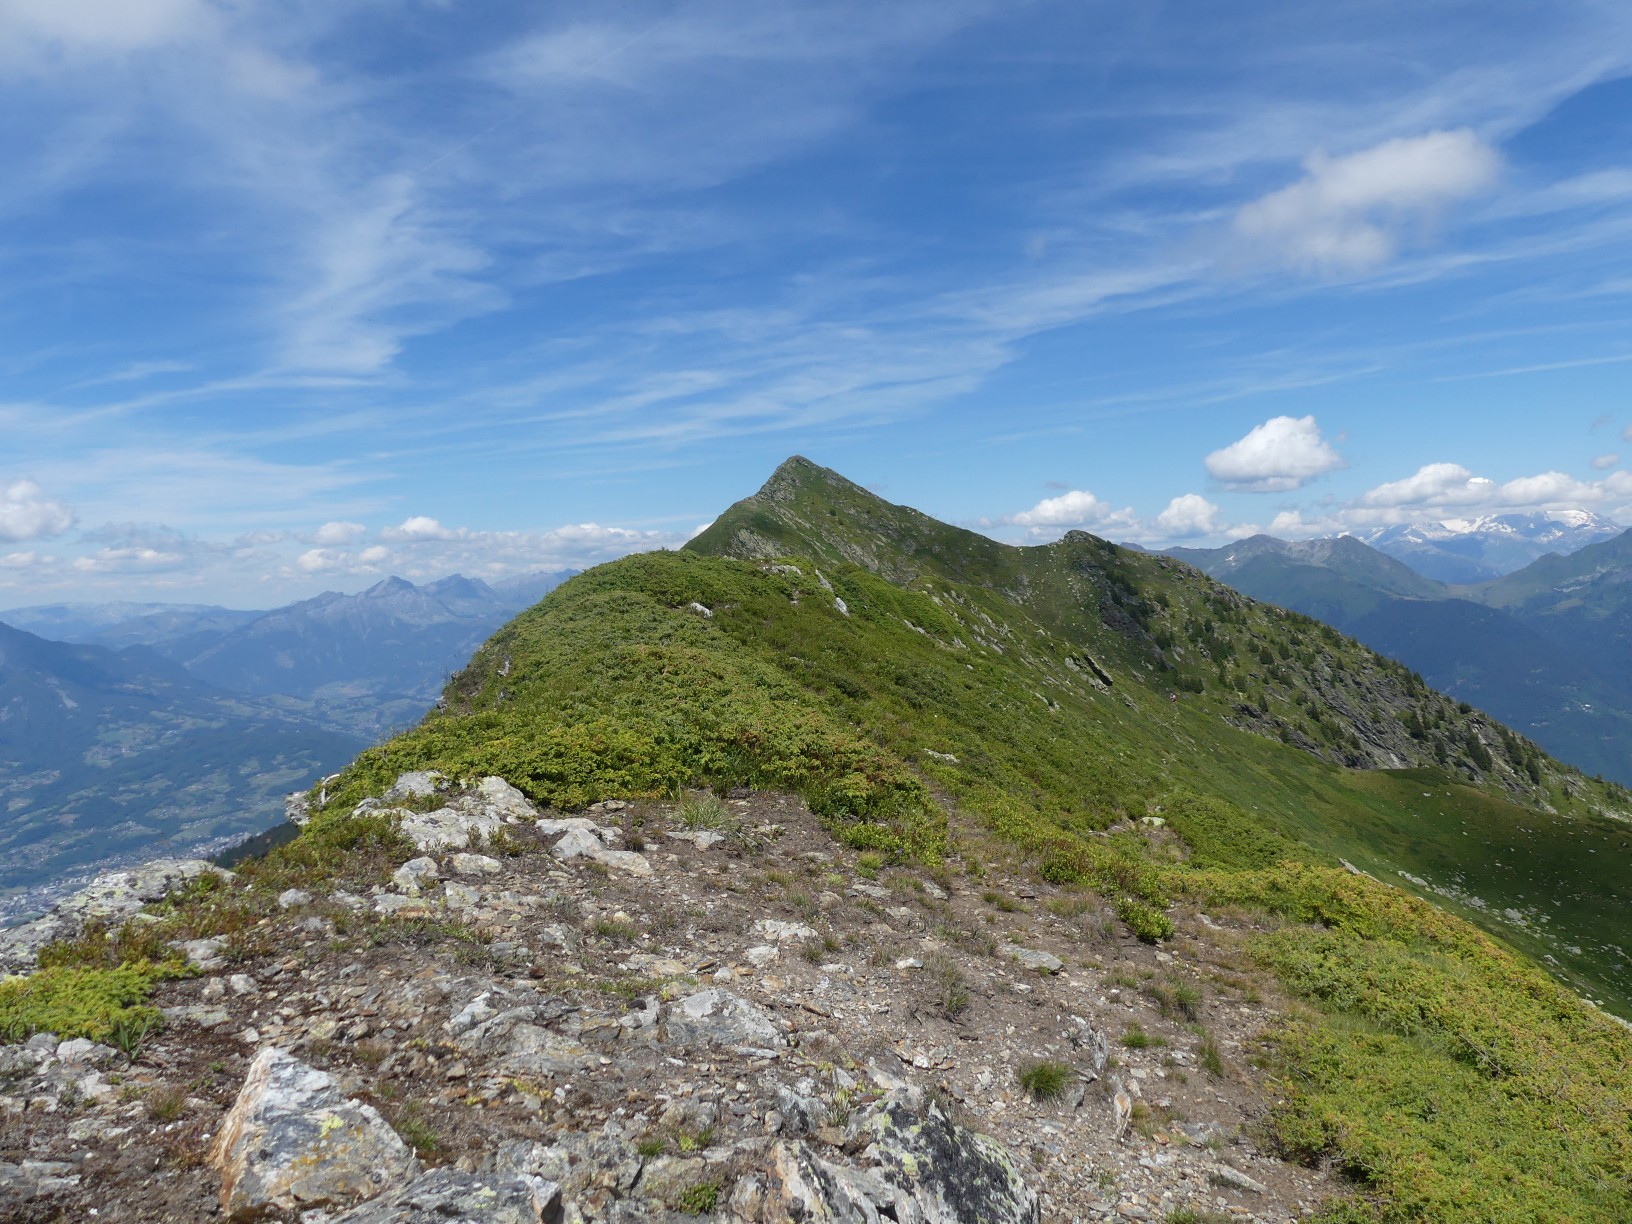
x: 1465, y: 551
x: 105, y: 753
x: 365, y: 664
x: 143, y: 726
x: 1546, y: 648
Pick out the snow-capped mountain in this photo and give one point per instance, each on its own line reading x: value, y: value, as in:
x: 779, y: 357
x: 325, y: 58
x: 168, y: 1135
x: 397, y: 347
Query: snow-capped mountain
x: 1479, y: 549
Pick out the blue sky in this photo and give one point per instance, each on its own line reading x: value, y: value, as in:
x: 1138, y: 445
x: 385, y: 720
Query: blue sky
x: 295, y: 295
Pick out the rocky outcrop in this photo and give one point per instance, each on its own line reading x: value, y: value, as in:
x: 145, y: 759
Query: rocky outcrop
x: 292, y: 1141
x: 112, y: 897
x: 919, y: 1167
x: 762, y: 1030
x: 450, y: 1196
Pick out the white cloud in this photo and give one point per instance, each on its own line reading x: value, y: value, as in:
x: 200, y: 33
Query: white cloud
x: 1604, y: 462
x: 427, y: 549
x: 129, y: 560
x: 1077, y: 508
x: 1350, y: 214
x: 24, y: 560
x: 1452, y: 487
x: 322, y: 561
x: 1187, y: 516
x: 1069, y: 509
x: 1291, y: 525
x: 419, y: 527
x: 337, y: 533
x: 1281, y: 454
x: 1433, y: 484
x: 27, y: 514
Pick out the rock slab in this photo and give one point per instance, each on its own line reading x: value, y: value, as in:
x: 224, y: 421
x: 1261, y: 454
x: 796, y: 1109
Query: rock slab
x: 293, y: 1142
x: 451, y: 1196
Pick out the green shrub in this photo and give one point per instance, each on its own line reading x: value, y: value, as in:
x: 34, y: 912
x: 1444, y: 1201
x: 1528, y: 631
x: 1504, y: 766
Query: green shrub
x: 1145, y: 921
x: 699, y: 1198
x: 78, y: 1002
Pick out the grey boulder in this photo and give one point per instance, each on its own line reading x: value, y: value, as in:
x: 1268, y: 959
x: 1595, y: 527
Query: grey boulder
x: 292, y: 1142
x: 451, y: 1196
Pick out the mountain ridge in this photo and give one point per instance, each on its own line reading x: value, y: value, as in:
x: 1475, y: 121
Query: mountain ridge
x: 1548, y: 648
x: 1469, y: 551
x: 1139, y: 773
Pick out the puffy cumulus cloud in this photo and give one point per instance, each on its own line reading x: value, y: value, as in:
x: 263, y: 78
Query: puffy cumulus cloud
x: 1283, y: 453
x: 331, y: 534
x: 331, y: 561
x: 366, y: 562
x: 1604, y: 462
x: 1187, y: 516
x: 1452, y: 487
x: 420, y: 527
x: 27, y: 514
x: 1075, y: 508
x: 1350, y: 214
x: 25, y: 560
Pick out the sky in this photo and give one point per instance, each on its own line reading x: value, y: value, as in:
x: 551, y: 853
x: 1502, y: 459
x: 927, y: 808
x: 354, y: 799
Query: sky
x: 297, y: 295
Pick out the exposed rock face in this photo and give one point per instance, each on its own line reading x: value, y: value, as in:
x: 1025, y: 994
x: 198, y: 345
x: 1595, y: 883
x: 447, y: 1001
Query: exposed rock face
x: 112, y: 897
x: 950, y: 1173
x: 293, y: 1142
x: 720, y: 1018
x: 449, y: 1196
x: 468, y: 818
x: 582, y: 838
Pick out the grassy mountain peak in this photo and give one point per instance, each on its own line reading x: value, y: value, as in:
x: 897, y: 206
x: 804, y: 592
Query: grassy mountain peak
x: 1120, y: 724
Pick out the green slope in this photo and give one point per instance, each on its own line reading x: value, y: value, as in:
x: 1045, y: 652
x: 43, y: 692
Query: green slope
x: 1539, y: 674
x: 895, y: 670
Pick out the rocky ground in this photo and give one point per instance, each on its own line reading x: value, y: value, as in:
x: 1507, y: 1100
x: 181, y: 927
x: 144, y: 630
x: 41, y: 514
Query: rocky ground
x: 669, y: 1011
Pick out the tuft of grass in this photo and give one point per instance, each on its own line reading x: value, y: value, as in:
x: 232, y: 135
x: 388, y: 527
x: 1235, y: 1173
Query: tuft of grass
x: 1212, y: 1058
x: 166, y: 1103
x: 1177, y: 999
x: 408, y: 1120
x: 952, y: 998
x: 1044, y: 1080
x: 1135, y: 1038
x: 615, y: 930
x: 706, y: 812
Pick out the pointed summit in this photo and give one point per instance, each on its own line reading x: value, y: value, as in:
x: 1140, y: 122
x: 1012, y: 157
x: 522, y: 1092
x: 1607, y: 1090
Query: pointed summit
x: 808, y: 510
